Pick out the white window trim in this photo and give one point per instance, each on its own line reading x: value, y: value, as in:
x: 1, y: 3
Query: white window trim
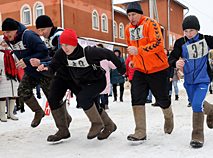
x: 116, y: 29
x: 106, y: 23
x: 0, y: 21
x: 21, y: 14
x: 34, y: 10
x: 122, y: 30
x: 97, y: 29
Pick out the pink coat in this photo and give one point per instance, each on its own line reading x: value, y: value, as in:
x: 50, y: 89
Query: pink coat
x: 105, y: 64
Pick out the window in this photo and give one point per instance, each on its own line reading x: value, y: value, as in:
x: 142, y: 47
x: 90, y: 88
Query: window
x: 38, y: 9
x: 95, y: 20
x: 104, y: 23
x: 25, y: 14
x: 115, y: 30
x: 121, y: 31
x: 0, y: 21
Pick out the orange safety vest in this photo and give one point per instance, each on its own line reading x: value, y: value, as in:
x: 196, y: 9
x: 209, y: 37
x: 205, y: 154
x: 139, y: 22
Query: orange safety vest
x: 148, y: 39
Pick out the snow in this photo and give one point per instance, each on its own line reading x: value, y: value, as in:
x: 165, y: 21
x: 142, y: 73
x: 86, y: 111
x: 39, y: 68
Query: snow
x: 19, y: 140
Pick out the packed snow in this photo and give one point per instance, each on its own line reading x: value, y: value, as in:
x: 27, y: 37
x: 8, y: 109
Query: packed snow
x: 19, y: 140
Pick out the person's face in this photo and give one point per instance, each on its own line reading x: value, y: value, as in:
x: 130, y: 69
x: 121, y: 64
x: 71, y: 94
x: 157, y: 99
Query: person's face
x: 134, y: 18
x: 190, y: 33
x: 116, y: 53
x: 4, y: 44
x: 10, y: 35
x: 68, y: 49
x: 45, y: 32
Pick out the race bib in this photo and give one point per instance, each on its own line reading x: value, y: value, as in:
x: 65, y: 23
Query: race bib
x: 136, y: 33
x: 81, y: 62
x: 18, y: 46
x: 198, y: 49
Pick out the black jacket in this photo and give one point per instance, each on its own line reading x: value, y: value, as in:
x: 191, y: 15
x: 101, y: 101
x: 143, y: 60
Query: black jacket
x: 74, y: 67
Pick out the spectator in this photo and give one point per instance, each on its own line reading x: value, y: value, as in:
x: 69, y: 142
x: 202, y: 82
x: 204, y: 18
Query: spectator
x: 117, y: 78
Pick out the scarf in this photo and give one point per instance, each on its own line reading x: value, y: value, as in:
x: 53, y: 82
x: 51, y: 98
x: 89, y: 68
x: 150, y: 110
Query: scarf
x: 9, y: 64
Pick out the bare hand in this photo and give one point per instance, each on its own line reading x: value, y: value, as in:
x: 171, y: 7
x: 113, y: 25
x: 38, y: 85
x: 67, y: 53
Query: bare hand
x: 132, y: 50
x: 180, y: 63
x: 0, y: 79
x: 21, y: 64
x: 131, y: 65
x: 34, y: 62
x: 170, y: 79
x: 42, y: 68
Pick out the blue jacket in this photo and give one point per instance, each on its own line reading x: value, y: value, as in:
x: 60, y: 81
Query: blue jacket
x: 115, y: 77
x: 195, y: 70
x: 27, y: 45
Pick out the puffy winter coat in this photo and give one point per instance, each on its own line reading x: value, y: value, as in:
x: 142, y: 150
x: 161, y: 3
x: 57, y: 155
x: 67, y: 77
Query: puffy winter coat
x: 27, y: 45
x: 8, y: 88
x: 129, y: 71
x: 116, y: 77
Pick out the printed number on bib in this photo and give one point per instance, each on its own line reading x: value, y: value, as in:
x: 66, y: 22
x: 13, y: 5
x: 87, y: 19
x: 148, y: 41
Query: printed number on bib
x: 198, y: 49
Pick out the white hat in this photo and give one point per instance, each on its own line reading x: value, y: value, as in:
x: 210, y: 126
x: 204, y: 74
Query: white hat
x: 1, y: 38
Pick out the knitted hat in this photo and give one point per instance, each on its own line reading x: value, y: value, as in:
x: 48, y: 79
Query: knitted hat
x: 69, y: 37
x: 191, y: 22
x: 43, y: 21
x: 1, y: 39
x: 134, y: 7
x: 9, y: 24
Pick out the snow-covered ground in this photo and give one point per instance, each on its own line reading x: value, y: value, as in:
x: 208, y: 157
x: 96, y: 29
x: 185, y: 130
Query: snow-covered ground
x: 19, y: 140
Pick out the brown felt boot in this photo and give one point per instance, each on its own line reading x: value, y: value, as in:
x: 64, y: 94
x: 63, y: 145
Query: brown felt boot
x: 197, y: 133
x: 69, y: 118
x: 169, y: 122
x: 96, y: 122
x: 109, y: 126
x: 59, y: 116
x: 35, y: 107
x: 208, y: 110
x: 140, y: 122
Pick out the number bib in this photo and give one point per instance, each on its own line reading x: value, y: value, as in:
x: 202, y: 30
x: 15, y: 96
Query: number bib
x: 198, y: 49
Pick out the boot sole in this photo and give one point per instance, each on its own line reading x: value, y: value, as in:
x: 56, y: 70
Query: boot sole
x: 135, y: 139
x: 196, y: 144
x: 109, y: 134
x: 91, y: 137
x: 56, y: 140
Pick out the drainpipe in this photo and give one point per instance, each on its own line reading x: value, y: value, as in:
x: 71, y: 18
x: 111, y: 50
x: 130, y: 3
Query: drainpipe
x: 62, y: 14
x: 168, y: 25
x: 113, y: 31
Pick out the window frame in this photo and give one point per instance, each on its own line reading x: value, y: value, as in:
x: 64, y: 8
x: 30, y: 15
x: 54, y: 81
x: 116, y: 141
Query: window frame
x: 22, y: 14
x: 97, y: 20
x: 35, y: 10
x: 106, y: 23
x: 121, y: 24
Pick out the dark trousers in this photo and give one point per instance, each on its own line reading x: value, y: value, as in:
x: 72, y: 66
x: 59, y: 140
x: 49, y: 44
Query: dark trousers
x: 156, y: 82
x: 104, y: 99
x: 86, y: 96
x: 114, y: 88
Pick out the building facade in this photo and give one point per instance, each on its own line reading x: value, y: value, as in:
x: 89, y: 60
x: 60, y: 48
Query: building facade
x: 93, y: 20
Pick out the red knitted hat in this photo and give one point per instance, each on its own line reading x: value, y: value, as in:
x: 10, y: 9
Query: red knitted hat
x: 69, y: 37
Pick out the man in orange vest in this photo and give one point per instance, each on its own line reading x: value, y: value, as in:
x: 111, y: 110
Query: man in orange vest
x: 146, y: 50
